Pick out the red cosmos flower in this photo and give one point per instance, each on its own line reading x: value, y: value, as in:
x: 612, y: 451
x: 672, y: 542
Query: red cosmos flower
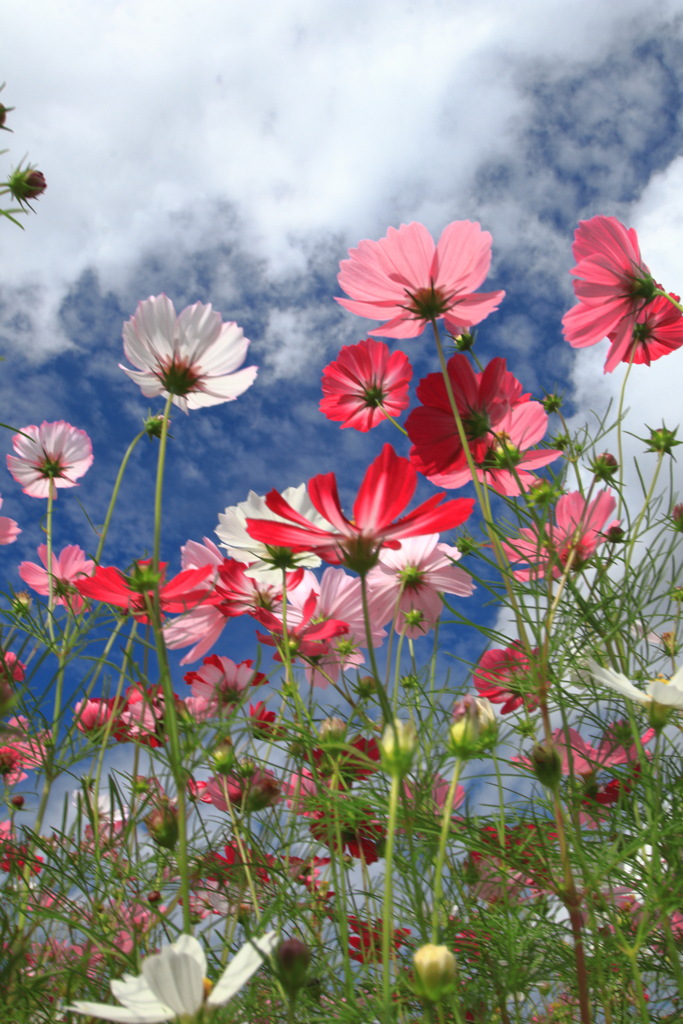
x: 134, y: 592
x: 306, y: 638
x: 408, y: 278
x: 366, y: 944
x: 387, y: 487
x: 501, y: 423
x: 50, y: 456
x: 504, y: 677
x: 579, y: 528
x: 613, y: 287
x: 262, y: 722
x: 360, y: 833
x: 364, y: 383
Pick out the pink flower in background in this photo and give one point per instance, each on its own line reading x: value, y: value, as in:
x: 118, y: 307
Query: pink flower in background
x: 48, y: 457
x: 193, y: 356
x: 222, y: 684
x: 388, y: 485
x: 504, y: 677
x: 500, y: 422
x: 9, y: 529
x: 409, y: 279
x: 657, y: 330
x: 363, y: 383
x: 614, y: 288
x: 579, y: 528
x: 408, y: 583
x: 70, y: 565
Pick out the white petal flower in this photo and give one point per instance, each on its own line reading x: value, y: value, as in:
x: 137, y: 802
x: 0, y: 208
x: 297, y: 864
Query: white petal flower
x: 172, y: 983
x: 193, y: 356
x: 232, y: 531
x: 667, y: 692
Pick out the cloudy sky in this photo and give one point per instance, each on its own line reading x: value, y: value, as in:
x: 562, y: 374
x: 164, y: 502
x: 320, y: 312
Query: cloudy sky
x: 231, y: 152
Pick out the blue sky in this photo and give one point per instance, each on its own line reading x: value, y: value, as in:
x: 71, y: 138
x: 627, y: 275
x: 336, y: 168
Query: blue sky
x: 231, y: 153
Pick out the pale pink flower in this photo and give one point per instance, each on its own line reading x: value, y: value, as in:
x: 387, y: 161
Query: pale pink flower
x: 410, y: 280
x: 48, y: 457
x: 407, y: 584
x: 70, y: 565
x: 193, y: 356
x: 579, y: 528
x: 222, y: 684
x: 364, y: 383
x: 9, y: 529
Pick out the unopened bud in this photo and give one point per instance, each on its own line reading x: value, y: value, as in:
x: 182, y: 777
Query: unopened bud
x: 677, y: 518
x: 293, y: 958
x: 154, y: 896
x: 162, y: 823
x: 263, y: 791
x: 604, y: 466
x: 436, y: 968
x: 547, y: 763
x: 397, y: 746
x: 552, y: 403
x: 662, y: 441
x: 26, y: 184
x: 474, y: 727
x: 17, y: 801
x: 332, y: 729
x: 223, y: 756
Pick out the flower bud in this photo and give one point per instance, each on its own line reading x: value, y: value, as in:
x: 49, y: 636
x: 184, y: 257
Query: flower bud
x: 17, y: 801
x: 26, y: 184
x: 435, y: 967
x: 162, y: 823
x: 293, y: 958
x: 397, y: 747
x: 332, y: 730
x: 474, y: 727
x: 604, y: 466
x: 223, y: 756
x: 552, y: 403
x: 154, y: 896
x: 546, y: 763
x: 677, y: 518
x: 662, y: 440
x: 263, y: 790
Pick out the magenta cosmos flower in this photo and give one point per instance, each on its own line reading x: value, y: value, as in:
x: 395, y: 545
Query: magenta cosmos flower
x: 193, y: 356
x: 48, y: 457
x: 579, y: 528
x: 613, y: 285
x: 500, y: 422
x: 387, y: 487
x: 409, y: 279
x: 365, y: 384
x: 504, y: 676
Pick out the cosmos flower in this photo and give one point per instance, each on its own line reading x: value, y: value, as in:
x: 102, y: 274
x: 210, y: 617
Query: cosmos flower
x: 9, y: 529
x: 67, y: 567
x: 500, y: 423
x: 409, y: 279
x: 193, y: 356
x: 504, y: 676
x: 48, y: 457
x: 614, y: 288
x: 579, y: 528
x: 657, y: 330
x: 363, y: 383
x: 173, y: 983
x: 388, y: 485
x: 407, y: 584
x: 667, y: 692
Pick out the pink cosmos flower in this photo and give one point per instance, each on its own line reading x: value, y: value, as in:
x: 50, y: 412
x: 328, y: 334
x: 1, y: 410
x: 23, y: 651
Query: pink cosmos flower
x: 221, y: 684
x: 48, y: 457
x: 70, y: 565
x: 364, y: 383
x: 657, y: 330
x: 407, y: 584
x: 579, y: 528
x: 308, y: 638
x: 614, y: 288
x: 387, y: 487
x: 9, y: 529
x: 500, y: 422
x: 338, y: 597
x: 409, y: 279
x: 504, y: 677
x: 193, y: 356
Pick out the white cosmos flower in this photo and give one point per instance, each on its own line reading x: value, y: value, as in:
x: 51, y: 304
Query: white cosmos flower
x: 668, y: 692
x: 172, y: 983
x: 232, y: 531
x: 193, y: 356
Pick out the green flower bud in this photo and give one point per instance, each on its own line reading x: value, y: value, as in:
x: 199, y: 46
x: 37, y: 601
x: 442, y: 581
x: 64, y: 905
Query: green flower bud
x: 436, y: 969
x: 474, y: 727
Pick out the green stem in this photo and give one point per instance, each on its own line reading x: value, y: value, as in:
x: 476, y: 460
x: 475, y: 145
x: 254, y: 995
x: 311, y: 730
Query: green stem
x: 441, y: 855
x: 115, y: 494
x: 388, y: 916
